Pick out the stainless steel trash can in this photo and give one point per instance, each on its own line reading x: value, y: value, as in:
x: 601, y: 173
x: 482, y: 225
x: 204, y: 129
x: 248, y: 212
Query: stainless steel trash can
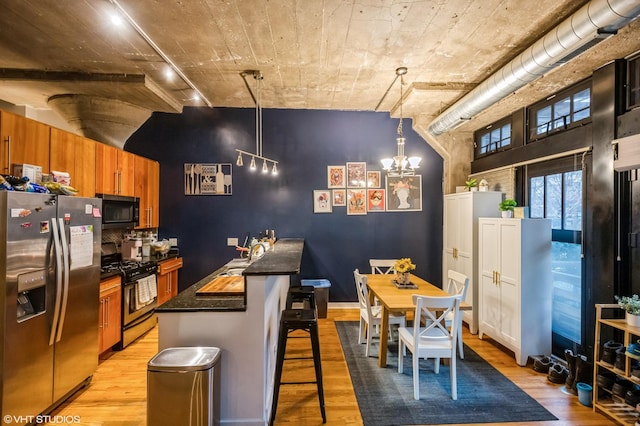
x: 183, y: 387
x: 321, y: 292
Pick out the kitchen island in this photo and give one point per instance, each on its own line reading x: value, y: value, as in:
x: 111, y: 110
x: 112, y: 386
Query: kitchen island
x: 245, y: 328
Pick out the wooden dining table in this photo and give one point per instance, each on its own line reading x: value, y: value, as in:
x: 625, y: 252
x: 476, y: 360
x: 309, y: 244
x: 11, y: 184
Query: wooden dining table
x: 394, y: 299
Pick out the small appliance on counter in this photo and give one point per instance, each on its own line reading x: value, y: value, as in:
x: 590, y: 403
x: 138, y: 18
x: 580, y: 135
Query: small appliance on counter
x: 131, y: 249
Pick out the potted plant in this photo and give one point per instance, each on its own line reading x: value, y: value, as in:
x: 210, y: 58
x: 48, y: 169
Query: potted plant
x: 471, y: 184
x: 631, y: 305
x: 507, y: 206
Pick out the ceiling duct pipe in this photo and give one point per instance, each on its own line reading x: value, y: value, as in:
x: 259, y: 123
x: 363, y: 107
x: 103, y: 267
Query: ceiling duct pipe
x: 591, y: 24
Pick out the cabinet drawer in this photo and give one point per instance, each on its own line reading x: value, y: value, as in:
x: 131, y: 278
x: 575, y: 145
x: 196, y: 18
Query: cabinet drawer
x: 109, y: 284
x: 170, y: 265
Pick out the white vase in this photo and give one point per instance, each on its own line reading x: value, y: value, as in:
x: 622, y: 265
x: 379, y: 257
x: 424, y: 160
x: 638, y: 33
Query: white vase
x: 507, y: 214
x: 633, y: 320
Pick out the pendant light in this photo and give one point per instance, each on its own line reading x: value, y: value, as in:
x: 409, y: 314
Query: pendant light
x: 257, y: 75
x: 400, y: 165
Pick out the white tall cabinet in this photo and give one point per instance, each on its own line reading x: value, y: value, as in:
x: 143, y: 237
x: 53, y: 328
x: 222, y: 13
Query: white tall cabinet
x: 516, y: 284
x: 460, y: 240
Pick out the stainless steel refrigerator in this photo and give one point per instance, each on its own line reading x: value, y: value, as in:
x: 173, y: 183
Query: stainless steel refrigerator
x: 49, y: 299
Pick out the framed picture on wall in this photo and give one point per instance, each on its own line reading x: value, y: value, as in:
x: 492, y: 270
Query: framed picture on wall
x: 339, y: 197
x: 322, y: 201
x: 376, y: 200
x: 356, y: 201
x: 356, y: 175
x: 373, y: 179
x: 336, y: 177
x: 404, y: 194
x: 207, y: 179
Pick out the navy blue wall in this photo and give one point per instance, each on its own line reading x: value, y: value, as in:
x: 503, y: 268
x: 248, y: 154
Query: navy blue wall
x: 304, y: 142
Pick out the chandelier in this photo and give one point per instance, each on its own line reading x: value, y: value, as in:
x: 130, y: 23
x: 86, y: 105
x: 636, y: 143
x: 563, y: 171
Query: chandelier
x: 257, y: 75
x: 400, y: 165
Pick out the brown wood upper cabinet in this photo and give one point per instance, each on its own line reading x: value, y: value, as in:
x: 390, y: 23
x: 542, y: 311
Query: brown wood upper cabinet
x: 23, y: 141
x: 147, y: 188
x: 76, y: 155
x: 114, y: 171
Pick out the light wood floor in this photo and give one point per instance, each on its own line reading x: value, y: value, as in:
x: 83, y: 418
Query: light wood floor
x: 117, y: 394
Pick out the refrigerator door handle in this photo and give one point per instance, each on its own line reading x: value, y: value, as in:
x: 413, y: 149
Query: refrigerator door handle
x: 56, y: 309
x: 65, y: 277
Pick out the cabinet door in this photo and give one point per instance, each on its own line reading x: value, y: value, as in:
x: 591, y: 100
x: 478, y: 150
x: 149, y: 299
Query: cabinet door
x: 23, y: 141
x: 126, y: 167
x: 450, y: 237
x: 488, y: 265
x: 76, y: 155
x: 62, y: 154
x: 173, y: 283
x: 164, y: 289
x: 112, y: 334
x: 114, y: 170
x: 509, y: 279
x: 109, y: 322
x: 85, y: 169
x: 147, y: 188
x: 106, y: 169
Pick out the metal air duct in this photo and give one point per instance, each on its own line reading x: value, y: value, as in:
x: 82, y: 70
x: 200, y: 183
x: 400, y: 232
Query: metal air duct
x: 592, y: 23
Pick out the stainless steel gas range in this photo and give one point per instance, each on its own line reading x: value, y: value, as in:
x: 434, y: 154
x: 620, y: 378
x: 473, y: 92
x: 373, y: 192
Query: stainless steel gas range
x: 139, y: 294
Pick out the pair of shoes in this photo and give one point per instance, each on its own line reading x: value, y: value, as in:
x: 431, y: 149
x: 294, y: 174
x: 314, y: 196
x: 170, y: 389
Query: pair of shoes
x: 558, y: 373
x: 609, y: 352
x: 633, y: 350
x: 606, y: 380
x: 542, y: 364
x: 621, y: 387
x: 632, y: 397
x: 621, y: 358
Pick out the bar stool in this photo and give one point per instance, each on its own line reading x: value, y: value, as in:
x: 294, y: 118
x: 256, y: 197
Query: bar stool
x: 301, y: 294
x: 291, y: 320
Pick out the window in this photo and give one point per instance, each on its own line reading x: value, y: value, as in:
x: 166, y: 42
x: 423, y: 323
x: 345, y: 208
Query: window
x: 633, y: 83
x: 495, y: 137
x: 557, y: 195
x: 560, y: 112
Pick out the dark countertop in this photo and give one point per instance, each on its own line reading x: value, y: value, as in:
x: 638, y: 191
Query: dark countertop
x: 282, y: 259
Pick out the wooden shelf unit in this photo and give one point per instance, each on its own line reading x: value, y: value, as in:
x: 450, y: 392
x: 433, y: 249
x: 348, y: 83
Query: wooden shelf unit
x: 607, y: 403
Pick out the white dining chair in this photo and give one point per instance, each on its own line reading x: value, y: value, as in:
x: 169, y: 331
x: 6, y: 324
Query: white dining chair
x: 435, y: 340
x: 371, y: 315
x: 457, y: 284
x: 382, y: 266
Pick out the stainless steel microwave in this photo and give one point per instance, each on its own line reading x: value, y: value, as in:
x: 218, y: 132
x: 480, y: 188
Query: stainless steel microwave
x: 120, y: 211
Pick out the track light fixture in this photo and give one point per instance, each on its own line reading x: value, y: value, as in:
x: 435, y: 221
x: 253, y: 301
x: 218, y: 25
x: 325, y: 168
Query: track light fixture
x: 257, y: 75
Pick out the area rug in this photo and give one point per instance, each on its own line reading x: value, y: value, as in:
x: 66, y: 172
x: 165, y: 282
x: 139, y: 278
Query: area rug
x: 385, y: 397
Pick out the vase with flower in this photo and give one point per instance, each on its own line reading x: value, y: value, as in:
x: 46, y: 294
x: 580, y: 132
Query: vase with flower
x: 403, y: 268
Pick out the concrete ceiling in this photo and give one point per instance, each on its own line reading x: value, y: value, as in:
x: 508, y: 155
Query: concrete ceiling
x: 313, y: 54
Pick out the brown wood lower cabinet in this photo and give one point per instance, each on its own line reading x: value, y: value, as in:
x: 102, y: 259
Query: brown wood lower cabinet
x: 109, y: 322
x: 168, y: 279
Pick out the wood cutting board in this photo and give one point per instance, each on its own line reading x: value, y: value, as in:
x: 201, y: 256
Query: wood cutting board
x: 223, y: 286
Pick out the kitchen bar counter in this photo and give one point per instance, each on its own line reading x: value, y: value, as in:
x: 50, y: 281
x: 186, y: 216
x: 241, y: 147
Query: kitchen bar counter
x: 247, y: 336
x: 282, y: 259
